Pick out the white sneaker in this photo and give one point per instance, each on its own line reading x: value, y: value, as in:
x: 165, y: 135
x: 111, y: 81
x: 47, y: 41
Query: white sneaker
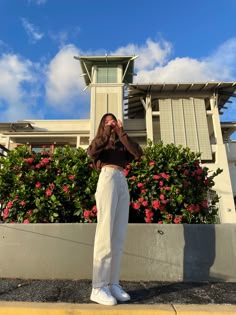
x: 119, y: 293
x: 102, y: 296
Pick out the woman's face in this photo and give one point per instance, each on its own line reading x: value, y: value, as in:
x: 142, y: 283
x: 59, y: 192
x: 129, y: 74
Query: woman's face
x: 109, y: 120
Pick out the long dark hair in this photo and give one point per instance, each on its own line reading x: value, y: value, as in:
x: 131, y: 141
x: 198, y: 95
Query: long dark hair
x: 102, y: 124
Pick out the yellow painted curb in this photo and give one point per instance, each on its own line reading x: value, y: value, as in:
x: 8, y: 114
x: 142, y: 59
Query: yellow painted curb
x: 33, y: 308
x: 209, y: 309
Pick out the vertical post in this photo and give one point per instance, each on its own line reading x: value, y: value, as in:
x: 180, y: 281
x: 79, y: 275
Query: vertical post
x: 149, y: 120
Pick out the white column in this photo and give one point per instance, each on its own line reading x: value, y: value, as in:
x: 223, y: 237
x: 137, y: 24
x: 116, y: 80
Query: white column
x: 223, y: 185
x: 77, y: 141
x: 149, y: 120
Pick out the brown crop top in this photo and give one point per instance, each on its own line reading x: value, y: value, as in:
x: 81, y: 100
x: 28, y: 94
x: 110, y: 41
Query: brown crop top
x: 104, y: 150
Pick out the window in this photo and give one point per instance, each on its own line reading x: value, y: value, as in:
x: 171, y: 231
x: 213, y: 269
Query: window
x: 38, y: 148
x: 84, y: 140
x: 106, y: 75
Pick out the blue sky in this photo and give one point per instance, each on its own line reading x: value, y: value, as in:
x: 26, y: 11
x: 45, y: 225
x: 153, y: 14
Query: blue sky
x: 176, y: 40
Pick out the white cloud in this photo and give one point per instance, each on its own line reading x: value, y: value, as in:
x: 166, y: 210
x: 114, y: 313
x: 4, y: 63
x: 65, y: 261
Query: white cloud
x: 154, y: 63
x: 64, y: 87
x: 151, y: 54
x: 21, y: 80
x: 37, y: 2
x: 16, y: 101
x: 31, y: 31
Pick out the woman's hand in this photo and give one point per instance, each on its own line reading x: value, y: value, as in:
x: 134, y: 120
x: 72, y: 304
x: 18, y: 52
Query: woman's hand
x: 119, y: 127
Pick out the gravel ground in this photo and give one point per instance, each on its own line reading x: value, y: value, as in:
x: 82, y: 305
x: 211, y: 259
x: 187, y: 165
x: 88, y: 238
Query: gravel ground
x: 78, y: 291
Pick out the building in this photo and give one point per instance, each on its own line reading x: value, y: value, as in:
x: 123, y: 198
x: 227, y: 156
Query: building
x: 182, y: 113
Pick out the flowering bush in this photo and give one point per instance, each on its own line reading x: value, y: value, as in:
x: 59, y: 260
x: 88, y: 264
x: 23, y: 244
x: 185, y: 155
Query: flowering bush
x: 39, y: 187
x: 167, y: 185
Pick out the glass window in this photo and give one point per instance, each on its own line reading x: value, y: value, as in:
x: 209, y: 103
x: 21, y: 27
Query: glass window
x: 106, y: 75
x: 84, y: 140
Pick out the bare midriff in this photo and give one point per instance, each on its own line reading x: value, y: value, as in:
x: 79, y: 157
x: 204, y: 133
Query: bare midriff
x: 117, y: 167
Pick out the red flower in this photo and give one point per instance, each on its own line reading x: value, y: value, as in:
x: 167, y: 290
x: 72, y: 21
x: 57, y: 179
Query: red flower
x: 207, y: 181
x: 45, y: 161
x: 156, y: 204
x: 186, y: 172
x: 29, y: 160
x: 86, y: 214
x: 26, y: 221
x: 52, y: 186
x: 164, y: 175
x: 9, y: 204
x: 136, y: 205
x: 30, y: 212
x: 5, y: 213
x: 145, y: 203
x: 133, y: 178
x: 38, y: 165
x: 71, y: 177
x: 191, y: 208
x: 160, y: 222
x: 156, y: 176
x: 148, y: 220
x: 128, y: 166
x: 161, y: 183
x: 149, y: 213
x: 125, y: 172
x: 143, y: 191
x: 140, y: 185
x: 22, y: 203
x: 48, y: 192
x: 178, y: 219
x: 65, y: 189
x: 162, y: 196
x: 38, y: 185
x: 94, y: 209
x: 199, y: 171
x: 151, y: 163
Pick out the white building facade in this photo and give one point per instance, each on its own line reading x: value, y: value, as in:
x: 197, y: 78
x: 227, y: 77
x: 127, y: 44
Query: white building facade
x: 185, y: 114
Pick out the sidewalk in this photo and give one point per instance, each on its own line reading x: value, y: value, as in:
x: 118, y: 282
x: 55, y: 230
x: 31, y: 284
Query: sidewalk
x: 72, y: 297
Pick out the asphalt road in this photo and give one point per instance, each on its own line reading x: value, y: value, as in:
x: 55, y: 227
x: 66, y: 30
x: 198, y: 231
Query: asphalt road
x: 78, y: 291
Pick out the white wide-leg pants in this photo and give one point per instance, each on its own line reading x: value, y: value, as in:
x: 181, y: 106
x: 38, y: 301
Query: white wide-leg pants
x: 112, y: 199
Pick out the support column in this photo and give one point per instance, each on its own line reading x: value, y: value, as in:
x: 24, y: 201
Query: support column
x: 227, y: 207
x: 149, y: 120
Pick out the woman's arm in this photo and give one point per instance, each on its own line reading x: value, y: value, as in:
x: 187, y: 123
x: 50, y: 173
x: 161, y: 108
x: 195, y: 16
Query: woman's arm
x: 131, y: 146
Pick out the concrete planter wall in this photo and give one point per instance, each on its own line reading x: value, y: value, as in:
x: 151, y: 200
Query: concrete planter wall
x: 152, y: 252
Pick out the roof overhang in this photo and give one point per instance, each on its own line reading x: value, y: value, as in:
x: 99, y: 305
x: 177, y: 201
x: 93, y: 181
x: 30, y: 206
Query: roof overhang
x: 87, y: 62
x: 17, y: 126
x: 222, y: 90
x: 228, y: 128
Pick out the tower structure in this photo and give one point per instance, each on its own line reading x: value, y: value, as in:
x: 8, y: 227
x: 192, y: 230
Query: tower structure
x: 106, y: 77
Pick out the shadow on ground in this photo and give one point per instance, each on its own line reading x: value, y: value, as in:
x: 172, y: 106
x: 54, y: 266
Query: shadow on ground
x: 78, y: 291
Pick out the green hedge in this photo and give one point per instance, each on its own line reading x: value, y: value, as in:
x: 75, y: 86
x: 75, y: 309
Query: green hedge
x: 167, y: 185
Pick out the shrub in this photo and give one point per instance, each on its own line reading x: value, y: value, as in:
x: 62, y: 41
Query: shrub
x: 39, y: 187
x: 167, y: 185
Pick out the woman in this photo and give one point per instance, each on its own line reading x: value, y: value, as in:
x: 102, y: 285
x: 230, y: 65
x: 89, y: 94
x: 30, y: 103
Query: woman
x: 111, y: 150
